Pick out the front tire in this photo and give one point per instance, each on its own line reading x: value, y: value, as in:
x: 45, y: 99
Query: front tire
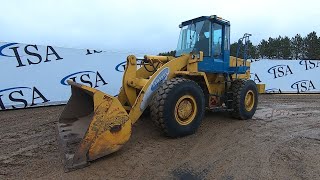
x: 245, y: 98
x: 178, y: 106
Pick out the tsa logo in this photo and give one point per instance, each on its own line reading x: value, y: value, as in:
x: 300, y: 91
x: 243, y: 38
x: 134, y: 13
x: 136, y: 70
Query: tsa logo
x: 255, y: 77
x: 303, y: 86
x: 92, y: 52
x: 89, y: 78
x: 29, y: 54
x: 279, y: 71
x: 254, y: 60
x: 273, y: 90
x: 21, y: 97
x: 121, y: 67
x: 5, y: 50
x: 309, y: 64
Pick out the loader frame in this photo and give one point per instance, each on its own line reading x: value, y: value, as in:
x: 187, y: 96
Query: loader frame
x: 94, y: 124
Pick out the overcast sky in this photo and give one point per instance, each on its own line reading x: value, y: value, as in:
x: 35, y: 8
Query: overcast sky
x: 145, y: 25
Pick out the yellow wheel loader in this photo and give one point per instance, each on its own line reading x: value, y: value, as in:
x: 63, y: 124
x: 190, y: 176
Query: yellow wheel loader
x: 177, y: 90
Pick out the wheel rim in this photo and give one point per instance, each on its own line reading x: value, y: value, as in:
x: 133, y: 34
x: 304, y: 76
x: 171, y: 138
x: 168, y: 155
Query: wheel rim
x: 249, y: 100
x: 185, y: 110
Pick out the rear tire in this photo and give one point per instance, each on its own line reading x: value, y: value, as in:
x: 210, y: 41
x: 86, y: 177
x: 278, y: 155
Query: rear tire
x: 178, y: 106
x: 245, y: 98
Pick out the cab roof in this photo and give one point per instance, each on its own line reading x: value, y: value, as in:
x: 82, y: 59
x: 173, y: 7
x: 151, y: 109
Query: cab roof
x: 213, y: 18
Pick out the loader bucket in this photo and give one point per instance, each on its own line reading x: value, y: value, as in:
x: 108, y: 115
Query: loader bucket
x: 92, y: 125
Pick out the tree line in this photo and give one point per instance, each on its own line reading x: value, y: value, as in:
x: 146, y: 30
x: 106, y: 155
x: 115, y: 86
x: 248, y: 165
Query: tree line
x: 170, y: 53
x: 296, y: 47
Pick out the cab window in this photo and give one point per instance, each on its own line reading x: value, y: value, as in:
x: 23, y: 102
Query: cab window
x: 226, y: 38
x: 217, y: 40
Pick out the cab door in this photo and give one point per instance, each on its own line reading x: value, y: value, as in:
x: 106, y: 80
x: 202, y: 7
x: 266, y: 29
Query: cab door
x: 217, y: 47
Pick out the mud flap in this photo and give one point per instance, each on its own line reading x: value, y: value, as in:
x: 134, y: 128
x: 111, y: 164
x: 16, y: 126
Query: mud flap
x: 92, y: 125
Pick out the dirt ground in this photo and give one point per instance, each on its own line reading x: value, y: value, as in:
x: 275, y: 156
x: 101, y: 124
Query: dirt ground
x: 282, y: 141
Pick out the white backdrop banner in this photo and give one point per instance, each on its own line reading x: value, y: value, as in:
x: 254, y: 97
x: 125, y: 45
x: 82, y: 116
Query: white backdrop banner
x: 33, y: 75
x: 287, y: 76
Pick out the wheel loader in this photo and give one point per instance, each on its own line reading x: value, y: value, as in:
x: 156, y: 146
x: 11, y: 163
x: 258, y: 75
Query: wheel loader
x: 176, y: 90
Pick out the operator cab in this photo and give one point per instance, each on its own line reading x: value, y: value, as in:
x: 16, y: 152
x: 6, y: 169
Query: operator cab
x: 211, y: 35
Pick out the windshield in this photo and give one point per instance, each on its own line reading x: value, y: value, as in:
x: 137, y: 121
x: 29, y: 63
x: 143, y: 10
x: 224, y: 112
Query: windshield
x: 194, y: 38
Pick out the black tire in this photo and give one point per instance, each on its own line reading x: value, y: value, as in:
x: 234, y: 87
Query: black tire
x: 239, y: 89
x: 164, y: 102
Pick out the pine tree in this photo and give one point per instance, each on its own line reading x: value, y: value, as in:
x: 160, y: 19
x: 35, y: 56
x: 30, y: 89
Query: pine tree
x: 263, y: 49
x: 285, y: 48
x: 312, y: 46
x: 252, y: 51
x: 298, y: 49
x: 233, y: 49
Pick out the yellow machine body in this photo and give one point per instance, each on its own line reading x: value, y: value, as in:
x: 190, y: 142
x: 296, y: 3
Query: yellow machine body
x: 94, y: 124
x: 202, y: 76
